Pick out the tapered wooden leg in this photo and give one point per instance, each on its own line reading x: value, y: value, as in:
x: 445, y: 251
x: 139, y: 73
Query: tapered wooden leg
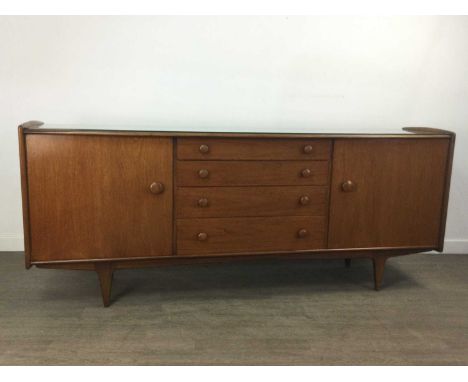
x: 105, y: 273
x: 379, y: 265
x: 347, y: 263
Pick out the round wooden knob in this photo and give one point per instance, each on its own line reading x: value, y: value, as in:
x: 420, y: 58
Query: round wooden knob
x: 203, y: 202
x: 306, y: 172
x: 302, y: 232
x: 157, y: 188
x: 203, y: 173
x: 304, y: 199
x: 308, y: 149
x: 202, y: 236
x: 204, y: 149
x: 348, y: 186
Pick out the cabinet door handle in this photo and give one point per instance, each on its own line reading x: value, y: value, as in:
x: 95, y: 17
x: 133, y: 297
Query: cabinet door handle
x: 203, y: 173
x: 302, y: 233
x: 157, y: 188
x: 308, y: 149
x: 304, y: 200
x: 306, y: 172
x: 348, y: 186
x: 202, y: 202
x: 204, y: 149
x: 202, y: 236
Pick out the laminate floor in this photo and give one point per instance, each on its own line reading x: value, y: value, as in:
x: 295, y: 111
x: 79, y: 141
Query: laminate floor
x: 256, y: 313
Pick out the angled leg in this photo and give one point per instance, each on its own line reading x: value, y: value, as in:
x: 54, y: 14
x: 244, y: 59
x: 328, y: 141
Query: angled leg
x: 105, y: 273
x: 379, y: 265
x: 347, y: 263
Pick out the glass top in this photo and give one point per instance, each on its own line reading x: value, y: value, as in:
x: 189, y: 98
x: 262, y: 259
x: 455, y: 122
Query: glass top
x: 227, y: 130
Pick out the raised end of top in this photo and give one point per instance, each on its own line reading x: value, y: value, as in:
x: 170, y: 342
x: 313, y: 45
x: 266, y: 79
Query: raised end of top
x: 31, y: 124
x: 427, y: 130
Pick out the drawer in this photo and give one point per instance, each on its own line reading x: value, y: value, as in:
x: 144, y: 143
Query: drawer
x: 251, y: 201
x: 253, y: 173
x: 249, y: 235
x: 252, y: 149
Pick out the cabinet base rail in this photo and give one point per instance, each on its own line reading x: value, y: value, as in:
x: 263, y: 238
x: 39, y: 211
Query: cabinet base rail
x: 105, y: 269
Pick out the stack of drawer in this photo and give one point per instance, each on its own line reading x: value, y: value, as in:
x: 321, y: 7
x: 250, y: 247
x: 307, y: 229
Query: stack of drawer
x: 244, y: 195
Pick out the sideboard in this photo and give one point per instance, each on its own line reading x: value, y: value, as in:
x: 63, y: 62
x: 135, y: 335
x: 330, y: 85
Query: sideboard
x: 105, y: 199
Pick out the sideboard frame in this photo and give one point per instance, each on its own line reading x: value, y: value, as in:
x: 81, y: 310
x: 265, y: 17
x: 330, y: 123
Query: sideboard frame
x: 106, y: 267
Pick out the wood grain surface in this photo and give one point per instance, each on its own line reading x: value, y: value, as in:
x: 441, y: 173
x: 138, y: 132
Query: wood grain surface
x: 90, y: 197
x: 251, y: 173
x: 251, y: 201
x: 253, y: 149
x: 253, y: 234
x: 398, y: 195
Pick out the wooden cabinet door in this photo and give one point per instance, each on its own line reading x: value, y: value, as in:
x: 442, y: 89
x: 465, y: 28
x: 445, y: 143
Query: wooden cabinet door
x: 90, y: 197
x: 396, y: 195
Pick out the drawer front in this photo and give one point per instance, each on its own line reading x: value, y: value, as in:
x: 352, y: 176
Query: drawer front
x: 255, y: 173
x: 253, y: 149
x: 248, y: 235
x: 251, y: 201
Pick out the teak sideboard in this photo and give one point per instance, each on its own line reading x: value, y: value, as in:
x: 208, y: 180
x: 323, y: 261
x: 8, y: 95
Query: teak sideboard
x: 103, y: 200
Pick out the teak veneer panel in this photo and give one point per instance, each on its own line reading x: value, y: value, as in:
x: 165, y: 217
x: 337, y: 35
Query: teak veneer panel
x: 251, y: 201
x: 89, y: 197
x: 251, y: 173
x: 254, y: 234
x: 398, y: 200
x: 253, y: 149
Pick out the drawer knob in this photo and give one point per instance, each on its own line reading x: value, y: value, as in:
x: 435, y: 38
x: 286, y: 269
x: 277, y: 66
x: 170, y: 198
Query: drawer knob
x: 304, y: 200
x: 203, y: 173
x: 204, y: 149
x: 157, y: 188
x: 203, y: 202
x: 302, y: 233
x: 202, y: 236
x: 306, y: 172
x: 308, y: 149
x: 348, y: 186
